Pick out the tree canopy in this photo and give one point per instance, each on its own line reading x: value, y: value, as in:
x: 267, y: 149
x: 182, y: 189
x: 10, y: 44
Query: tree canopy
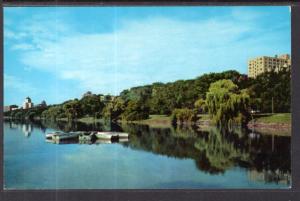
x: 226, y: 103
x: 225, y: 95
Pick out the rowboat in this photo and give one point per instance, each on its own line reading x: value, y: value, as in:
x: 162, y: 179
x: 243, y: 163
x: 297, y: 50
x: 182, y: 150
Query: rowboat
x: 86, y: 136
x: 123, y: 140
x: 72, y: 141
x: 50, y: 135
x: 66, y: 136
x: 111, y: 135
x: 101, y: 141
x: 123, y: 135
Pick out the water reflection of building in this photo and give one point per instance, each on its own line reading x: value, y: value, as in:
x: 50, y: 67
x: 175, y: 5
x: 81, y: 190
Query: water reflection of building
x: 13, y: 125
x: 268, y: 176
x: 27, y: 129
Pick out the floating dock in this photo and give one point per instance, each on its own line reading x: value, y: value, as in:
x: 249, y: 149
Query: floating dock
x: 87, y: 136
x: 111, y: 135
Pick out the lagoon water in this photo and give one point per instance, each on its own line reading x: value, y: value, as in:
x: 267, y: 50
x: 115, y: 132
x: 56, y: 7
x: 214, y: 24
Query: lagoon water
x: 153, y: 158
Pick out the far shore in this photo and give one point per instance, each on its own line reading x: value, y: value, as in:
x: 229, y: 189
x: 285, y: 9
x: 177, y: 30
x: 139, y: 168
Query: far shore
x: 278, y: 124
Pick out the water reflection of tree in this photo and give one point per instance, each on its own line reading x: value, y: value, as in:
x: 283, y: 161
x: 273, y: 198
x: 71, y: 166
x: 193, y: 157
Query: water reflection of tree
x: 26, y: 126
x: 216, y: 151
x: 68, y: 126
x: 159, y: 141
x: 222, y: 150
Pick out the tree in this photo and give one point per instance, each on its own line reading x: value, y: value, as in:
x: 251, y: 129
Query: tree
x: 227, y: 104
x: 184, y: 115
x: 200, y: 105
x: 72, y: 109
x: 114, y: 109
x: 135, y: 110
x: 91, y: 105
x: 272, y: 85
x: 53, y: 112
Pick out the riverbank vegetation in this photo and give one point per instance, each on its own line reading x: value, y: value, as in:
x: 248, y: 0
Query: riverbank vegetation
x: 226, y: 97
x: 273, y: 118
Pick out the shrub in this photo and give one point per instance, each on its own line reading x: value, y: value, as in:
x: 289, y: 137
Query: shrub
x: 184, y: 115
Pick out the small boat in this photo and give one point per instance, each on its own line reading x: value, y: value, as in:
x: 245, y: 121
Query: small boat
x: 49, y: 136
x: 86, y: 136
x: 106, y: 135
x: 101, y: 141
x: 73, y: 141
x: 123, y: 140
x: 66, y: 136
x: 111, y: 135
x: 50, y: 141
x: 85, y: 142
x: 123, y: 135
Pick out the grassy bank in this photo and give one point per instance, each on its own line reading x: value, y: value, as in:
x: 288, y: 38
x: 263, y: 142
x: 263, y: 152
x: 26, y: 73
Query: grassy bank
x: 87, y: 120
x: 155, y: 121
x: 165, y: 120
x: 272, y: 124
x: 284, y: 118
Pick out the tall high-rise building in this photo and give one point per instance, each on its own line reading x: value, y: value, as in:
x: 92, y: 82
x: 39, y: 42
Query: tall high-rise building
x: 264, y: 64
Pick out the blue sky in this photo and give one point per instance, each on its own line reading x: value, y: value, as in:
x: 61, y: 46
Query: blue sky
x: 58, y: 53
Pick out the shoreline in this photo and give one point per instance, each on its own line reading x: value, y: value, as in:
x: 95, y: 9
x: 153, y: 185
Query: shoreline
x: 265, y: 126
x: 276, y: 128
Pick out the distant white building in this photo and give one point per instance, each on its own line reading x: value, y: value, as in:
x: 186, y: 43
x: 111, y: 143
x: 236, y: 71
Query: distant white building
x: 42, y: 104
x: 10, y: 108
x: 27, y: 103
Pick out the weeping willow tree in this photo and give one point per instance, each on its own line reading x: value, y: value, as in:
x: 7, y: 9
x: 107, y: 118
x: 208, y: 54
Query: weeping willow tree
x: 222, y: 152
x: 226, y: 104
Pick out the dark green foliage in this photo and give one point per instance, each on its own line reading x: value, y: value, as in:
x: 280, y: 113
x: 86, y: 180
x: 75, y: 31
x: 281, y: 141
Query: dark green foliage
x: 272, y: 85
x: 184, y: 115
x: 35, y: 112
x: 159, y: 98
x: 114, y: 109
x: 200, y: 106
x: 227, y: 104
x: 164, y: 98
x: 72, y: 109
x: 53, y: 113
x: 91, y: 105
x: 135, y: 110
x: 203, y: 82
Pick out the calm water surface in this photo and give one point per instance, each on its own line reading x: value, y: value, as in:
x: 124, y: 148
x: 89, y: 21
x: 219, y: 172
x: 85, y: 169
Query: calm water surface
x: 153, y: 158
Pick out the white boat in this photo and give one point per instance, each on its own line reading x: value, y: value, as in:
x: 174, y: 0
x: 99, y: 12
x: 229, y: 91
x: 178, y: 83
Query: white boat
x: 50, y: 135
x: 86, y: 136
x: 102, y: 141
x: 66, y: 136
x: 123, y: 140
x: 50, y: 141
x: 123, y: 135
x: 61, y: 141
x: 111, y: 135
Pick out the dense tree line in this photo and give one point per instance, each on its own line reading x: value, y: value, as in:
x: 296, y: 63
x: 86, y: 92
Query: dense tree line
x: 268, y: 92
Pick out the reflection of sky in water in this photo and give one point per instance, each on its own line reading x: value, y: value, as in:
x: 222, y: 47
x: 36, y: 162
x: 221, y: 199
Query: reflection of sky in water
x: 31, y: 163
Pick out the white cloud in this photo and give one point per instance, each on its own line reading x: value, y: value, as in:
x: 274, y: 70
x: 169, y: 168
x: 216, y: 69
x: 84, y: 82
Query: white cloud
x: 22, y: 46
x: 141, y: 51
x: 9, y: 34
x: 12, y: 83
